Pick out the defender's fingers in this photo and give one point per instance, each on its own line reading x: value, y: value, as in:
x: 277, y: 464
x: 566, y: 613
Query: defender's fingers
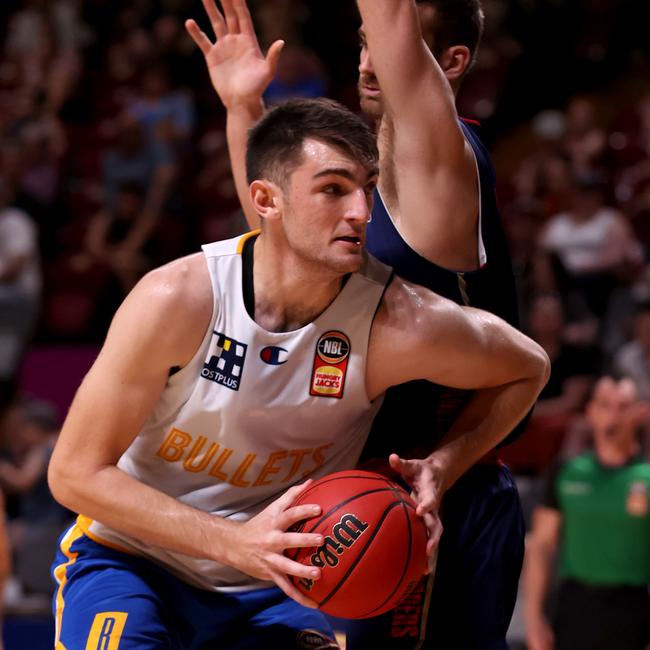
x: 434, y: 526
x: 405, y: 467
x: 432, y: 562
x: 216, y: 19
x: 273, y: 55
x: 427, y: 500
x: 232, y: 20
x: 198, y: 36
x: 244, y: 17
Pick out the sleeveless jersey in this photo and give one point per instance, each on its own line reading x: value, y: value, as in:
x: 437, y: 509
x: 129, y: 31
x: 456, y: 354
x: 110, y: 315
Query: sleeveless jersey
x: 420, y: 405
x: 254, y: 412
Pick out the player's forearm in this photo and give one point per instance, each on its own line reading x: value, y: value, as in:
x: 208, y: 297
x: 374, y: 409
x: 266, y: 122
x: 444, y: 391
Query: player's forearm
x: 536, y: 578
x: 119, y: 501
x: 486, y: 420
x: 241, y: 119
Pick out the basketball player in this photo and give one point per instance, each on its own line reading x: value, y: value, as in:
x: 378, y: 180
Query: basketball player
x: 435, y: 210
x: 229, y: 377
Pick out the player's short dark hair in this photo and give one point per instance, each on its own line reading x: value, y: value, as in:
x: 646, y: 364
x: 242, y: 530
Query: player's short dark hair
x: 275, y: 142
x: 457, y: 22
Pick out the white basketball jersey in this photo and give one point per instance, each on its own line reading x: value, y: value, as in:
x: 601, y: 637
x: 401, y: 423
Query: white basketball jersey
x: 255, y: 412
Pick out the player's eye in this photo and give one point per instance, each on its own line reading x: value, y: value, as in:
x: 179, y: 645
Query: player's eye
x: 334, y: 189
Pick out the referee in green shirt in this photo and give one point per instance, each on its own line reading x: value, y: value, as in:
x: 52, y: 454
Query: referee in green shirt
x: 597, y: 509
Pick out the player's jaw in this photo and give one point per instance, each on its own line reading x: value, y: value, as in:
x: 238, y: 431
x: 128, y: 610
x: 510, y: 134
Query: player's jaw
x: 370, y: 95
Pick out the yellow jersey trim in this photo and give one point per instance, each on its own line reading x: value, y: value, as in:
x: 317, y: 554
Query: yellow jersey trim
x: 245, y: 238
x: 85, y: 523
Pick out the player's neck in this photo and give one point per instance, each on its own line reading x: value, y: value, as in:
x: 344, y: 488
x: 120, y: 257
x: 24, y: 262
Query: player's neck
x: 387, y: 182
x: 289, y: 293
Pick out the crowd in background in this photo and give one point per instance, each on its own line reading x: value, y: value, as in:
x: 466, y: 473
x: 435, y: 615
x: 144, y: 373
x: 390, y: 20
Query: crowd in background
x: 113, y: 160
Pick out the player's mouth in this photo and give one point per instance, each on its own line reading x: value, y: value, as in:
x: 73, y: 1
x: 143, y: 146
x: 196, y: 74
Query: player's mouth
x: 350, y: 241
x: 370, y: 91
x: 368, y: 86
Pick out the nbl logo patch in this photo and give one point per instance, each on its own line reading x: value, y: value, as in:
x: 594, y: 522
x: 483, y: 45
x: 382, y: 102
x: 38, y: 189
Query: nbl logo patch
x: 330, y: 365
x: 226, y: 364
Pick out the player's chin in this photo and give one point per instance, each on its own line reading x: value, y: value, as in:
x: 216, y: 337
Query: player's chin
x: 348, y: 263
x: 371, y: 106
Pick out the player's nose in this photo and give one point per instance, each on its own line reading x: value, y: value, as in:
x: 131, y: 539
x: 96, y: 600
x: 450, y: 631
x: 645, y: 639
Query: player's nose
x: 358, y: 208
x: 365, y: 64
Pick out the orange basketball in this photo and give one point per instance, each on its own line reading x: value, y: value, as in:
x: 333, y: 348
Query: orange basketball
x: 375, y: 545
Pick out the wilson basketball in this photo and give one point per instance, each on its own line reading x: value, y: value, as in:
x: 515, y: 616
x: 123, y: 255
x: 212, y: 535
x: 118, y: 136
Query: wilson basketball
x: 375, y: 545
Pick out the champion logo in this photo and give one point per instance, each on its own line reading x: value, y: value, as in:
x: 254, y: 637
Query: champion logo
x: 274, y: 356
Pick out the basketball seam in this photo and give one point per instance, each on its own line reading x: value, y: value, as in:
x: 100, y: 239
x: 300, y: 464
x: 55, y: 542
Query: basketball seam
x: 360, y: 555
x: 325, y: 481
x: 406, y: 563
x: 330, y: 512
x: 345, y: 503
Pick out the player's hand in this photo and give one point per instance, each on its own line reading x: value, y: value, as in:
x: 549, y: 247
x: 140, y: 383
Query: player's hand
x: 259, y: 544
x: 539, y: 635
x: 425, y: 482
x: 239, y: 72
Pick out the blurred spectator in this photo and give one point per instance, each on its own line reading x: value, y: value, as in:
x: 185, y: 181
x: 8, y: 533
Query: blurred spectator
x: 300, y: 73
x: 543, y: 174
x: 585, y: 140
x: 633, y: 359
x: 573, y: 370
x: 165, y: 113
x: 549, y: 276
x: 593, y: 242
x: 521, y: 221
x: 20, y: 282
x: 135, y: 160
x: 29, y: 429
x: 119, y: 238
x: 597, y: 508
x: 43, y: 144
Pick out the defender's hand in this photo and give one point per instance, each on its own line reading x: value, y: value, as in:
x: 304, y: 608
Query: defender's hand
x: 425, y: 481
x: 239, y: 72
x: 259, y: 544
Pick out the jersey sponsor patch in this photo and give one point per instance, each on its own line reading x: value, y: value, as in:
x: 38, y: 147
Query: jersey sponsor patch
x: 226, y: 363
x: 637, y: 499
x: 274, y: 356
x: 330, y: 365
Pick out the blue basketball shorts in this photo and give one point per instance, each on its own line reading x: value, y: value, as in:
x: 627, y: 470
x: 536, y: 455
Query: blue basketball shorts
x: 110, y: 600
x: 469, y: 603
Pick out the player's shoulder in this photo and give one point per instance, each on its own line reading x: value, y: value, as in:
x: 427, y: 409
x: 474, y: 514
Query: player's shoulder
x: 172, y: 297
x: 411, y: 310
x: 167, y: 312
x: 183, y: 283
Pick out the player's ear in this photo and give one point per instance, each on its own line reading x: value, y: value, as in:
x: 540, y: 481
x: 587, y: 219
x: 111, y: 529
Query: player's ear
x: 454, y: 61
x: 266, y: 198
